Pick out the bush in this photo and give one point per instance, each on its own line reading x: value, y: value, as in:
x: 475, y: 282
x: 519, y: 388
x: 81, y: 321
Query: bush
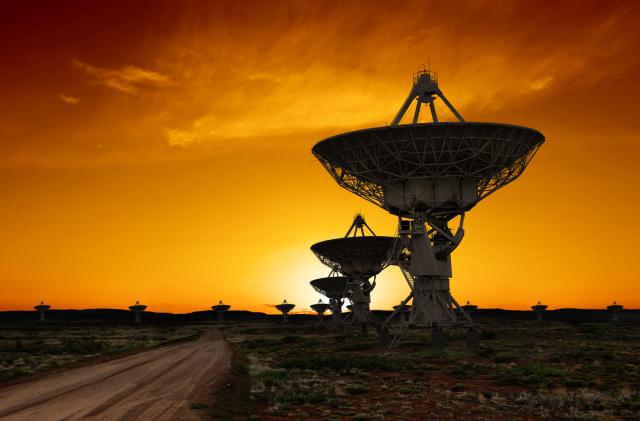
x: 76, y: 346
x: 345, y: 362
x: 488, y: 334
x: 272, y: 377
x: 300, y: 397
x: 356, y: 389
x: 533, y: 373
x: 468, y: 370
x: 356, y: 346
x: 289, y: 339
x: 458, y: 387
x: 575, y: 383
x: 505, y: 358
x: 12, y: 373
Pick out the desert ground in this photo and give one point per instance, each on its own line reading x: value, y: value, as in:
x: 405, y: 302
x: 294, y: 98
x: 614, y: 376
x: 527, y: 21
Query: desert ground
x: 523, y: 370
x: 264, y: 369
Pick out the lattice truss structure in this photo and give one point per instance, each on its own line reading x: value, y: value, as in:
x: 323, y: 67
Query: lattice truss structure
x: 366, y: 161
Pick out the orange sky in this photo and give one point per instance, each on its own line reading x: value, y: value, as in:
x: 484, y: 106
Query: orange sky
x: 160, y: 151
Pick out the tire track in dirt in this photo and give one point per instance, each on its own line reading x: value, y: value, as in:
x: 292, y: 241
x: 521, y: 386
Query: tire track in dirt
x: 152, y: 385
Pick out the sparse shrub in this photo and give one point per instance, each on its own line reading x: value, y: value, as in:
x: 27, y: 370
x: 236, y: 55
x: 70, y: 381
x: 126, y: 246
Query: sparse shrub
x: 575, y: 383
x: 505, y: 358
x: 533, y: 373
x: 12, y: 373
x: 356, y: 346
x: 289, y: 339
x: 272, y: 377
x: 485, y: 351
x: 458, y: 387
x: 467, y: 370
x: 487, y: 394
x: 345, y: 362
x: 488, y: 334
x: 300, y: 397
x: 78, y: 346
x: 583, y: 355
x: 356, y: 389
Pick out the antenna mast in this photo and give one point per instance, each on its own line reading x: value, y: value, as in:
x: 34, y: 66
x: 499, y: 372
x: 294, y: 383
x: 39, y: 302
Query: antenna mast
x: 424, y: 90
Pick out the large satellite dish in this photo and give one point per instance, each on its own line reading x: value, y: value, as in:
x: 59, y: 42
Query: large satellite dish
x: 427, y: 174
x: 320, y: 308
x: 331, y: 286
x: 437, y: 168
x: 358, y: 257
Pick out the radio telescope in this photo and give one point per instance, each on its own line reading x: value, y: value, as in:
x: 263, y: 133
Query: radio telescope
x: 220, y: 309
x: 42, y: 308
x: 469, y: 308
x: 358, y: 257
x: 615, y: 309
x: 404, y: 312
x: 285, y: 308
x: 332, y: 287
x: 137, y: 309
x: 539, y: 309
x: 320, y: 308
x: 428, y: 175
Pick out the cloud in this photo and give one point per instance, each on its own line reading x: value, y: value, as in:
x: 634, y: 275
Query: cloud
x: 539, y: 84
x: 69, y: 99
x: 193, y: 136
x: 127, y: 79
x: 182, y: 138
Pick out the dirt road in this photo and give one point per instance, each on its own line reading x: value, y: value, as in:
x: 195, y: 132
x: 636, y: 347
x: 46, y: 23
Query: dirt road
x: 161, y: 384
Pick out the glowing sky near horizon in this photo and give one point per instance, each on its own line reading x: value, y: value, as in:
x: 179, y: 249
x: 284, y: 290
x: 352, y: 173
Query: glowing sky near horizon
x: 160, y: 151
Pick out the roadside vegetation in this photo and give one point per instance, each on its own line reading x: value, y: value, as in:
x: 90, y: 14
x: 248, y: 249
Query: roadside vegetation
x: 523, y: 370
x: 35, y: 348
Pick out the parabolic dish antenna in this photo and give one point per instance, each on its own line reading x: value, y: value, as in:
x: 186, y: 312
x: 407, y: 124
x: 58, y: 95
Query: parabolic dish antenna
x: 615, y: 307
x: 469, y: 308
x: 436, y: 168
x: 221, y: 307
x: 427, y: 174
x: 285, y: 307
x: 356, y: 256
x: 331, y: 286
x: 320, y: 307
x: 539, y: 307
x: 42, y: 306
x: 137, y: 307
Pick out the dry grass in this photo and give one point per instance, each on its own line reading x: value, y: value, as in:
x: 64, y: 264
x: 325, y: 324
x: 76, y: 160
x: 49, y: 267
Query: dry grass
x: 29, y: 349
x: 523, y: 370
